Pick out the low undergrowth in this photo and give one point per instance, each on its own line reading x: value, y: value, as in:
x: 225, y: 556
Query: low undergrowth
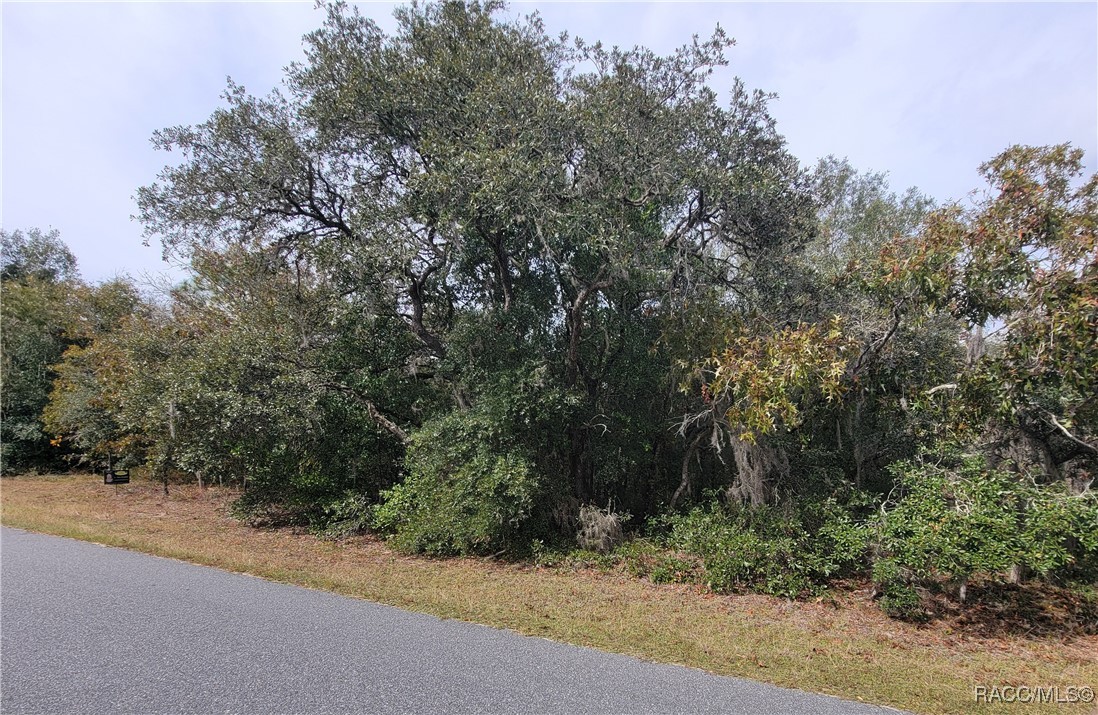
x: 642, y: 598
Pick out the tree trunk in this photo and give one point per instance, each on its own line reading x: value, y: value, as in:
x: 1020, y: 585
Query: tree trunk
x: 684, y: 484
x: 974, y: 345
x: 578, y: 459
x: 503, y: 269
x: 579, y: 464
x: 415, y: 321
x: 168, y: 455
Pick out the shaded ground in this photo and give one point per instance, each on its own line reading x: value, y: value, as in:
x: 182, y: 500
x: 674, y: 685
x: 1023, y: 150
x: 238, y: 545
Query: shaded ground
x: 1033, y: 611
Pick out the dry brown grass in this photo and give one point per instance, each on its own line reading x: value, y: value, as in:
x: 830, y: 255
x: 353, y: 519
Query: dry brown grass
x: 845, y: 648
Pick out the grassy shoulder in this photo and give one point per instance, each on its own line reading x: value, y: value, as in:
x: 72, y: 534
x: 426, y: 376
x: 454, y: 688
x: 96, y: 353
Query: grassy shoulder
x: 842, y: 646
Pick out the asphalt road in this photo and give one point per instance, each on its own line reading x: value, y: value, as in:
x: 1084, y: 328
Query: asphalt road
x: 91, y: 629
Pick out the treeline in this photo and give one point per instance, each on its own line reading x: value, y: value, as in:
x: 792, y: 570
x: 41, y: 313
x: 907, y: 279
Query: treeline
x: 483, y: 290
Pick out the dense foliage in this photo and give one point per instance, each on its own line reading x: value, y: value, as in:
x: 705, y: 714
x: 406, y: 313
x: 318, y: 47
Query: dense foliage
x: 781, y: 551
x: 956, y: 517
x: 37, y: 272
x: 488, y: 291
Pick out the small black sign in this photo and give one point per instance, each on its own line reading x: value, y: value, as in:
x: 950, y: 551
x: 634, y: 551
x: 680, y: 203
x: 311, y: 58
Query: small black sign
x: 116, y: 476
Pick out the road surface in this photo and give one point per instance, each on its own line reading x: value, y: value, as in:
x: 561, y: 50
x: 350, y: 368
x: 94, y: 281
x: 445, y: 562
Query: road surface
x: 92, y: 629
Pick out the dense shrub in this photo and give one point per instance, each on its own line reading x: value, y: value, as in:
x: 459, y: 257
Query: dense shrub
x: 464, y: 491
x: 954, y: 518
x: 352, y: 514
x: 303, y: 482
x: 648, y: 558
x: 783, y: 552
x: 901, y: 601
x: 899, y: 597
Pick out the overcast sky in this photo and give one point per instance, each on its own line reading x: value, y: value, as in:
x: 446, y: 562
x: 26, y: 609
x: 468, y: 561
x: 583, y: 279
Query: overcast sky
x: 924, y: 91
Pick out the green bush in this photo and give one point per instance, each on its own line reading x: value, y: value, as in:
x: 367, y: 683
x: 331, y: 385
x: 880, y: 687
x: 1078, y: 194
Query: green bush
x: 350, y: 515
x: 464, y: 492
x: 1061, y: 535
x: 955, y: 518
x: 782, y: 552
x: 898, y: 596
x: 648, y: 558
x: 902, y: 601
